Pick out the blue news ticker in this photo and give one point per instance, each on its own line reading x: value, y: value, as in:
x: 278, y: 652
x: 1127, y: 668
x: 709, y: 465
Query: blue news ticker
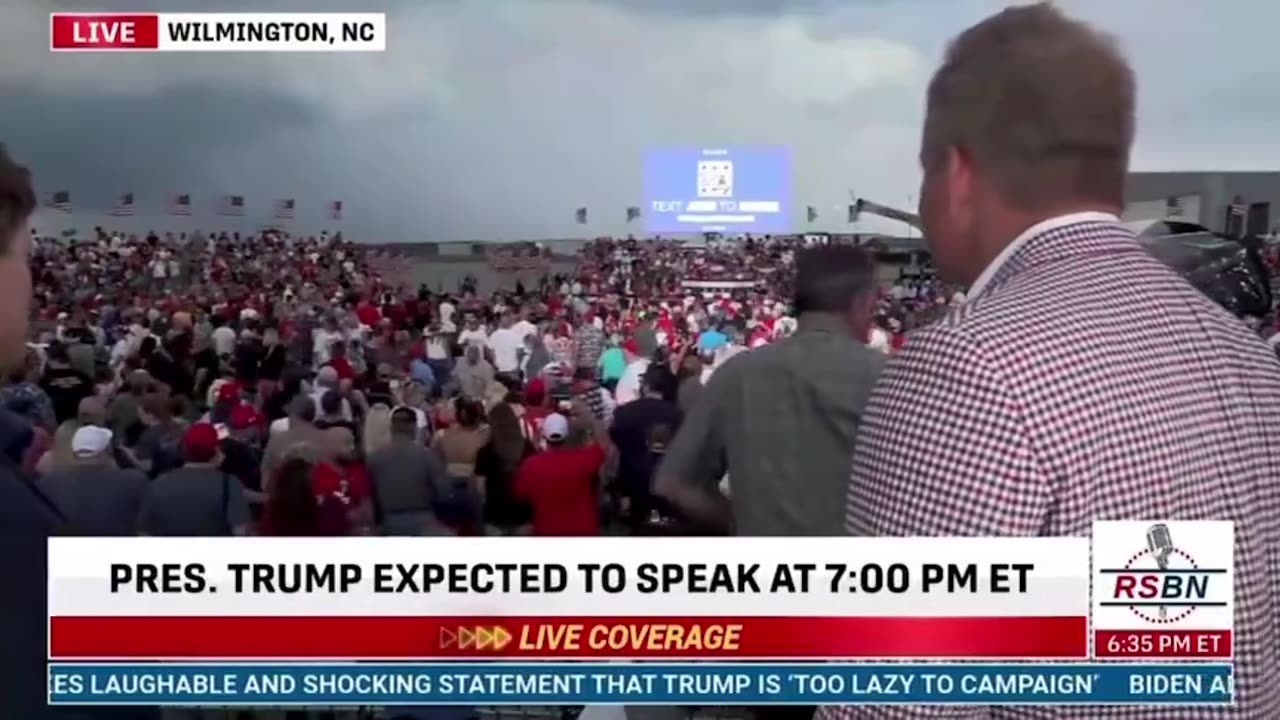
x: 300, y: 684
x: 717, y: 189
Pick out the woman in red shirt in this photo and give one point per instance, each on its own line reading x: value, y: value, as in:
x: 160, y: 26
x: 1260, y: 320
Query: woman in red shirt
x: 294, y: 510
x: 342, y: 477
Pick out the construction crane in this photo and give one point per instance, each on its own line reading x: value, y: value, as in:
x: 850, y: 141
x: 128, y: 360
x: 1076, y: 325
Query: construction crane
x: 862, y: 205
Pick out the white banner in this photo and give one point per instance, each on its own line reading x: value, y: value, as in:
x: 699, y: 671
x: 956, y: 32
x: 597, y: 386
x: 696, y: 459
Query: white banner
x: 767, y: 577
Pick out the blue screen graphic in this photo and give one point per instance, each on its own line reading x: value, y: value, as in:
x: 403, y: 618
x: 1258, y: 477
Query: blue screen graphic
x: 726, y: 190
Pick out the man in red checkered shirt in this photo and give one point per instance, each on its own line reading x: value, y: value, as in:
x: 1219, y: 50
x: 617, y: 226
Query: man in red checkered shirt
x: 1000, y: 420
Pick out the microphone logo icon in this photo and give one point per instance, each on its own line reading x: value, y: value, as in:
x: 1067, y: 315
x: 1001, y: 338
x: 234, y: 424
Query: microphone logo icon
x: 1160, y: 543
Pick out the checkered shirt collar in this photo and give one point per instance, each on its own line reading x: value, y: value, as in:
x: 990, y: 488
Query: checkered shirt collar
x: 1066, y: 236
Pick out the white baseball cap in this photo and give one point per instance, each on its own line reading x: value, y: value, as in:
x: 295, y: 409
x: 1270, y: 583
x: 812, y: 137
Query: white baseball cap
x: 90, y: 440
x: 555, y: 427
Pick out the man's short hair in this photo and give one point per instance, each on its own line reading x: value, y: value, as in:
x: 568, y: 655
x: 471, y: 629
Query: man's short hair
x: 830, y: 277
x: 303, y: 408
x: 404, y: 420
x: 659, y: 379
x: 1042, y: 104
x: 17, y: 199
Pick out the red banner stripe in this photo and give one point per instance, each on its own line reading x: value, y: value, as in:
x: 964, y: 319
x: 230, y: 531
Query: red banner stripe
x: 547, y: 637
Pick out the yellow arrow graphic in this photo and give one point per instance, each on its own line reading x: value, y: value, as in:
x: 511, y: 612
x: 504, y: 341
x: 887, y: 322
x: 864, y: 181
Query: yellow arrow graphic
x: 501, y: 638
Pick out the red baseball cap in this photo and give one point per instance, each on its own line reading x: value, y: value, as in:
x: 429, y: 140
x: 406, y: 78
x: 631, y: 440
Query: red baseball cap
x: 200, y: 443
x: 229, y: 391
x: 631, y: 346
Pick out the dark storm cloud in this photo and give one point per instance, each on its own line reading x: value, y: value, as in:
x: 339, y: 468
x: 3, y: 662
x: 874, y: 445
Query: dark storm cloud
x: 152, y: 144
x: 483, y: 120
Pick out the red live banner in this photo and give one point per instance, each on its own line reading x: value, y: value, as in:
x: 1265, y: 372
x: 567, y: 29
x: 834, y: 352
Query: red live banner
x: 95, y: 31
x: 558, y: 637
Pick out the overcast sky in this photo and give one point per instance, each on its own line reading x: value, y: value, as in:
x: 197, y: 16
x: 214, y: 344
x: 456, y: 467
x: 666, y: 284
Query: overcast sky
x: 494, y: 119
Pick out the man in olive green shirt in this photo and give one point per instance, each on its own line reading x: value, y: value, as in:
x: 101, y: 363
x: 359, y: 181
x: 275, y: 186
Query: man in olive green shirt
x: 781, y: 420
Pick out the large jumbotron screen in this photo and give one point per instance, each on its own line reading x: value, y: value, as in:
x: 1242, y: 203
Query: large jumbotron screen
x: 724, y: 189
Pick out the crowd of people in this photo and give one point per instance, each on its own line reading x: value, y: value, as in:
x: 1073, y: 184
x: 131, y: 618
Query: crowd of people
x: 207, y: 384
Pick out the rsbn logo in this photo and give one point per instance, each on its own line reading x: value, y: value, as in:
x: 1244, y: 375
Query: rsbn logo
x: 1163, y: 583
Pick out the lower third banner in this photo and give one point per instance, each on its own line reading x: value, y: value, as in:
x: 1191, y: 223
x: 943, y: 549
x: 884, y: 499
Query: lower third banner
x: 663, y: 684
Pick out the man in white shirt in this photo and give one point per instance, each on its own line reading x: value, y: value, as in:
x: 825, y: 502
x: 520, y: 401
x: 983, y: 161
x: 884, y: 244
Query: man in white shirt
x: 447, y: 311
x: 160, y: 268
x: 523, y: 326
x: 223, y: 339
x: 472, y: 333
x: 506, y: 344
x: 435, y: 344
x: 119, y: 353
x: 438, y: 352
x: 628, y: 387
x: 324, y: 338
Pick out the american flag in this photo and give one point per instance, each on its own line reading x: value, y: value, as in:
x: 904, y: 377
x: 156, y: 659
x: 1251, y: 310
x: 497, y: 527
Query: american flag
x: 124, y: 207
x: 633, y: 213
x: 231, y: 205
x: 335, y: 210
x: 580, y: 215
x: 180, y: 205
x: 60, y: 200
x: 284, y: 209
